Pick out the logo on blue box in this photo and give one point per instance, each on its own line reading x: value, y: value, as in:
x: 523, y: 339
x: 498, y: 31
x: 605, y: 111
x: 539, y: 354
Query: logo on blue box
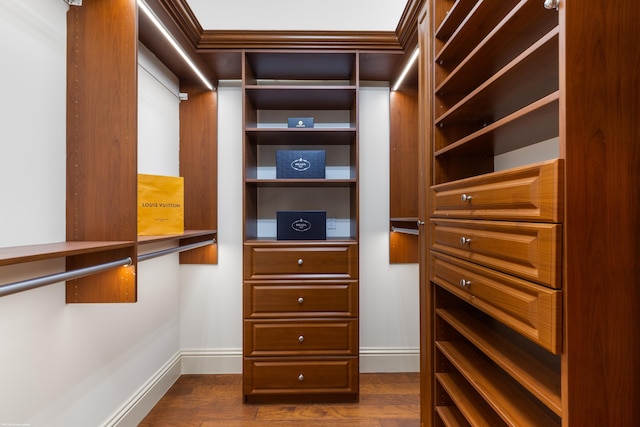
x: 301, y: 225
x: 300, y: 164
x: 300, y: 122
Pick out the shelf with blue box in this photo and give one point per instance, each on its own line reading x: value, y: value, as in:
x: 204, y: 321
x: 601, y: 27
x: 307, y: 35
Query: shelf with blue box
x: 313, y: 114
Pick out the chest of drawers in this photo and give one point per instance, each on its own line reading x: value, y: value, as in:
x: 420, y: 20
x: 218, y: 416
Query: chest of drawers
x: 301, y: 321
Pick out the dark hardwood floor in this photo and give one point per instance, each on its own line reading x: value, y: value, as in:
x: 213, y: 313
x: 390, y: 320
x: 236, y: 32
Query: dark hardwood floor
x: 386, y: 400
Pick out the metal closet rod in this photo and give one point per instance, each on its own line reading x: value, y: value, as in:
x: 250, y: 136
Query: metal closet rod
x: 38, y: 282
x: 405, y: 230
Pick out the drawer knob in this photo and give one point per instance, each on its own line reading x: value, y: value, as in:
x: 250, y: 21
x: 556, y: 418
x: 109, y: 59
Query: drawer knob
x: 300, y: 377
x: 465, y: 283
x: 301, y: 339
x: 300, y: 261
x: 551, y: 4
x: 465, y: 240
x: 300, y: 300
x: 465, y: 198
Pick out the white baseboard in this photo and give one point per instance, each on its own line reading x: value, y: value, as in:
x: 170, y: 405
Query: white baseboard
x: 386, y: 359
x: 229, y: 361
x: 139, y: 405
x: 212, y: 361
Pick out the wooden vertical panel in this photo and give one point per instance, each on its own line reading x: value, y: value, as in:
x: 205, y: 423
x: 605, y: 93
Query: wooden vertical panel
x: 600, y: 106
x: 102, y: 120
x: 199, y: 166
x: 403, y: 153
x: 403, y: 171
x: 102, y: 103
x: 425, y: 151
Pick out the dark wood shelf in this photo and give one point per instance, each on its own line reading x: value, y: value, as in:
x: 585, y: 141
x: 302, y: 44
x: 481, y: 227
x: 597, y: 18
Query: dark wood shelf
x: 454, y: 18
x: 505, y: 92
x: 328, y: 241
x: 302, y: 65
x: 295, y: 97
x: 412, y: 220
x: 472, y: 29
x: 515, y: 406
x: 540, y: 379
x: 536, y: 122
x: 315, y: 183
x: 523, y: 27
x: 451, y: 416
x: 29, y: 253
x: 307, y: 136
x: 469, y: 404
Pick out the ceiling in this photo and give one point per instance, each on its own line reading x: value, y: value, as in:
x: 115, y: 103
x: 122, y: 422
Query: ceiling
x: 299, y: 15
x: 215, y: 33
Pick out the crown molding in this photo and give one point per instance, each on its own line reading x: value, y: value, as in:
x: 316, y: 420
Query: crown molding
x: 183, y: 17
x: 407, y: 30
x: 338, y: 40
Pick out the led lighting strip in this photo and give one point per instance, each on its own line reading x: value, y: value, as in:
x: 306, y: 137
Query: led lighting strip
x: 147, y: 11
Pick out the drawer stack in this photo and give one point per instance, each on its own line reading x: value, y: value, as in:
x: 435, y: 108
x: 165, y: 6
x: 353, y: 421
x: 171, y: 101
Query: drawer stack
x: 300, y: 321
x: 495, y: 262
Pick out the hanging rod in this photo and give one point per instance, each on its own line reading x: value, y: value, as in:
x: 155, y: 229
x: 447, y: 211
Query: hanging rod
x: 38, y: 282
x: 405, y: 230
x: 150, y: 255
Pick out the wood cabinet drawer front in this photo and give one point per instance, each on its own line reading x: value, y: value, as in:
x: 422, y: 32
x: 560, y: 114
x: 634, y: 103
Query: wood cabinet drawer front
x: 528, y: 250
x: 295, y: 299
x: 309, y: 337
x: 532, y: 193
x: 301, y: 376
x: 300, y: 261
x: 530, y: 309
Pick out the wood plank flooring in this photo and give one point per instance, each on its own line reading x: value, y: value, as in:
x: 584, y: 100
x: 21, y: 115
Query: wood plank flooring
x: 386, y: 400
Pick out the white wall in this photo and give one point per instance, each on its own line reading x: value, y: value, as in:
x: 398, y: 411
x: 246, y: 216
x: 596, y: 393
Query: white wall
x: 70, y: 365
x: 211, y: 307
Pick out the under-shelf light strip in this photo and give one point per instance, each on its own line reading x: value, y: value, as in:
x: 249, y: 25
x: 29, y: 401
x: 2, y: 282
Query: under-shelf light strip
x: 407, y: 67
x: 145, y: 8
x: 156, y: 254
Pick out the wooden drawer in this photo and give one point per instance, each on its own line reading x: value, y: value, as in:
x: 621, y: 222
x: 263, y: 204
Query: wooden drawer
x: 532, y: 310
x: 295, y: 299
x: 295, y: 377
x: 301, y: 261
x: 531, y: 193
x: 528, y: 250
x: 294, y: 337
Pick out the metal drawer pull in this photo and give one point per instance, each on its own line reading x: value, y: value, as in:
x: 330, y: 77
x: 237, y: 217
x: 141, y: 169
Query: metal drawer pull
x: 300, y: 300
x: 551, y: 4
x: 465, y: 198
x: 300, y: 261
x: 465, y: 283
x: 300, y: 377
x: 301, y: 339
x: 465, y: 240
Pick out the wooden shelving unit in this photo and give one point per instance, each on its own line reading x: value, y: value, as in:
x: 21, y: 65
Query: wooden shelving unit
x: 301, y: 338
x: 509, y: 338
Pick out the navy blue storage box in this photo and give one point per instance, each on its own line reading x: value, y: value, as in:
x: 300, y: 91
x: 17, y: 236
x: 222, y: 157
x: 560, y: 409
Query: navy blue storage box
x: 300, y: 122
x: 300, y: 164
x: 301, y: 225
